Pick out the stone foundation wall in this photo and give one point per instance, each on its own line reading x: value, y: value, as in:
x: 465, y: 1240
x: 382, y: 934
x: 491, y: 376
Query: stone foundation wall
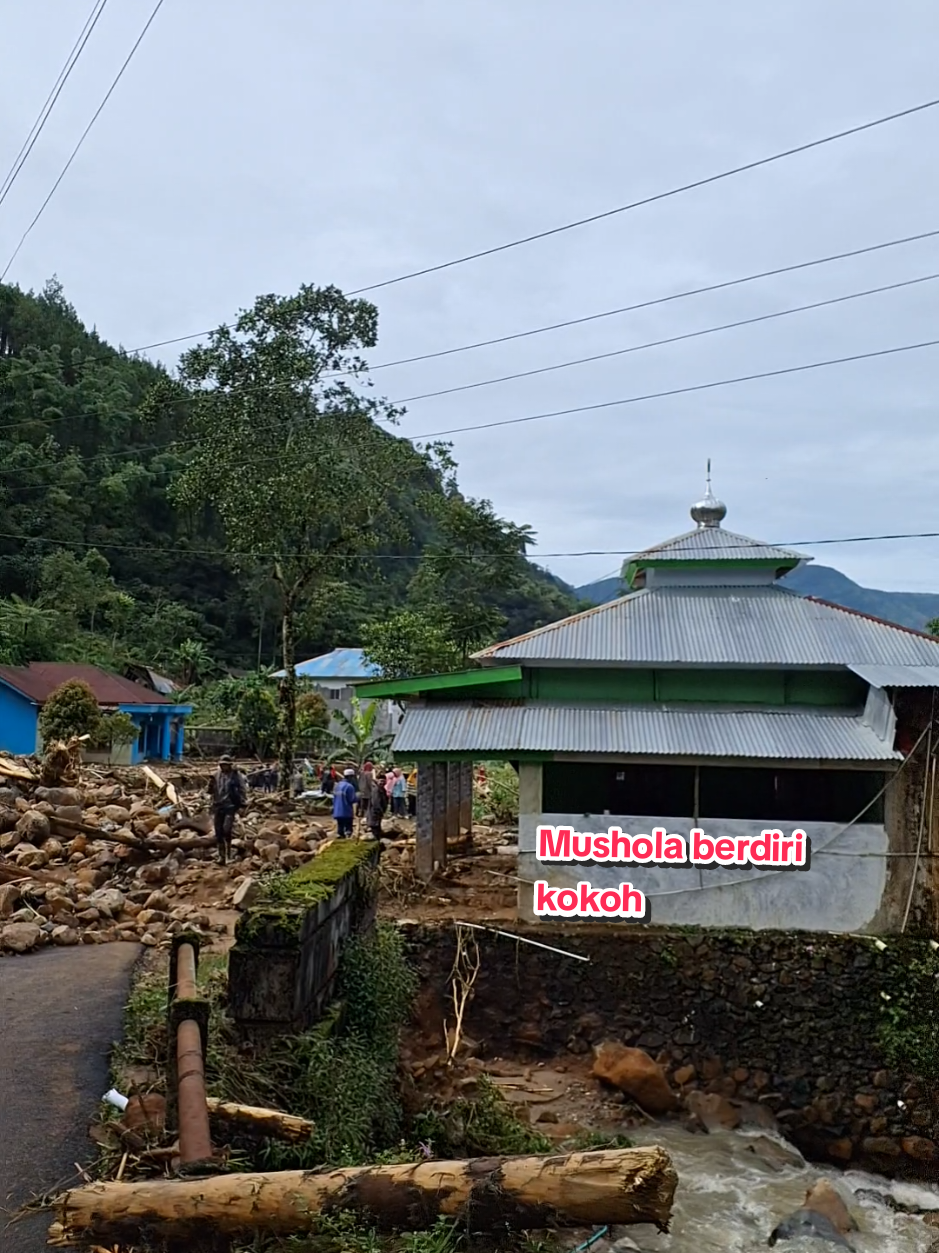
x: 284, y: 962
x: 793, y: 1021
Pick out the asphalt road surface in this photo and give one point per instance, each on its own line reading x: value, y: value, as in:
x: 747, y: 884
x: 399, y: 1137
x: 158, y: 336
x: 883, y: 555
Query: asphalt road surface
x: 60, y: 1013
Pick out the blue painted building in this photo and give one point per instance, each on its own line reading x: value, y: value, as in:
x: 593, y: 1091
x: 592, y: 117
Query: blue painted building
x: 25, y: 689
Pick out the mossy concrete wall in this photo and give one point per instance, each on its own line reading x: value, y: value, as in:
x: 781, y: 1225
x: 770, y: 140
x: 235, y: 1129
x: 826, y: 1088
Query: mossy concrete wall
x: 837, y: 1035
x: 287, y: 947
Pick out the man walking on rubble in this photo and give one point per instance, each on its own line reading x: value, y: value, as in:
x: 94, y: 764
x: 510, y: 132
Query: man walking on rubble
x: 229, y: 795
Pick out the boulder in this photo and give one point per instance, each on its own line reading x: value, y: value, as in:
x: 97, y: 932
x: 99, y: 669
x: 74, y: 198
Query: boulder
x: 53, y: 848
x: 29, y: 857
x: 33, y: 827
x: 65, y: 936
x: 773, y: 1153
x: 634, y: 1072
x: 806, y: 1224
x: 68, y: 813
x: 107, y: 901
x: 9, y: 840
x: 9, y: 899
x: 246, y: 893
x: 712, y: 1111
x: 824, y: 1198
x: 20, y: 937
x: 157, y: 900
x: 117, y: 813
x: 59, y: 797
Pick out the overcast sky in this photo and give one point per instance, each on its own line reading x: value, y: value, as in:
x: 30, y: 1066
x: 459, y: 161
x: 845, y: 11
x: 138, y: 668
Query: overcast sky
x: 254, y: 147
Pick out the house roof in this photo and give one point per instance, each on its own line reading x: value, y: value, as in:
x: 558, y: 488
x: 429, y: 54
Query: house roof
x: 898, y: 676
x: 39, y: 679
x: 640, y: 731
x: 713, y: 543
x: 341, y: 663
x: 711, y: 626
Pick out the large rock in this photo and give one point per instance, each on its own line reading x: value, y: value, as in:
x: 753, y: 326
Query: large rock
x: 634, y: 1072
x: 246, y: 894
x: 29, y: 857
x: 59, y: 796
x: 807, y: 1224
x: 65, y: 936
x: 824, y: 1198
x: 9, y: 899
x: 712, y: 1111
x: 33, y: 827
x: 20, y: 937
x: 107, y: 901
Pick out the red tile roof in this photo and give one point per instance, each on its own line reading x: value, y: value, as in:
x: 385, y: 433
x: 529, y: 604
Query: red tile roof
x: 39, y: 680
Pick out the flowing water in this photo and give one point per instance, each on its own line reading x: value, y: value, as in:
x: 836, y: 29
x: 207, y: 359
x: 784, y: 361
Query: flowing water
x: 729, y: 1200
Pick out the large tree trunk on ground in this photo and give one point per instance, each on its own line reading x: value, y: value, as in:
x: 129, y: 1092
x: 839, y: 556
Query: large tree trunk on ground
x: 524, y: 1193
x: 263, y: 1122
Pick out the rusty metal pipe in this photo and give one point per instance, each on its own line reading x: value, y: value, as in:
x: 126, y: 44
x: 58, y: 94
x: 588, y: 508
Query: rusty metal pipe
x: 186, y: 973
x: 195, y: 1142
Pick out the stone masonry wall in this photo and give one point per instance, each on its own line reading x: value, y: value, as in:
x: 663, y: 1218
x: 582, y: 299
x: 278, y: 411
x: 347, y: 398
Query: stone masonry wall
x: 794, y: 1021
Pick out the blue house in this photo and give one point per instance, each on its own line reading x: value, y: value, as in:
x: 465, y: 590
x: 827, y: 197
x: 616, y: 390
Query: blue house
x: 25, y: 689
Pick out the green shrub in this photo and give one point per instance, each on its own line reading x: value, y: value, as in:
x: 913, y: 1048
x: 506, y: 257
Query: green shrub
x: 256, y: 721
x: 312, y: 716
x: 115, y: 729
x: 70, y: 710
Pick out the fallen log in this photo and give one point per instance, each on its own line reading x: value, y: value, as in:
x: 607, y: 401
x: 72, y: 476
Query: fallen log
x: 525, y: 1193
x: 13, y: 770
x: 161, y: 785
x: 263, y: 1122
x: 149, y: 845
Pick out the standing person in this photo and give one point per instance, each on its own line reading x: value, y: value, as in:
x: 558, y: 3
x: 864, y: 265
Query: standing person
x: 399, y: 789
x: 344, y: 804
x: 412, y: 793
x: 377, y: 806
x: 389, y: 783
x: 366, y: 786
x: 228, y: 794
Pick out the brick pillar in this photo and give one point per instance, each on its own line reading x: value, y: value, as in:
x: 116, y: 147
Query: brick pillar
x: 454, y: 781
x: 424, y: 852
x: 439, y: 840
x: 466, y: 795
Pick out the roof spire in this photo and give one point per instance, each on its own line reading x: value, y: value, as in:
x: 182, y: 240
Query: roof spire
x: 709, y: 512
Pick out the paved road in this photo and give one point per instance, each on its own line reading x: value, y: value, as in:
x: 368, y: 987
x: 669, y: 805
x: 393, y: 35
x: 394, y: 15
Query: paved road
x: 60, y: 1012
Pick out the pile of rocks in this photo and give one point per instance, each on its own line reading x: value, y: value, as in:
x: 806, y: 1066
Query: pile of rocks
x: 106, y: 863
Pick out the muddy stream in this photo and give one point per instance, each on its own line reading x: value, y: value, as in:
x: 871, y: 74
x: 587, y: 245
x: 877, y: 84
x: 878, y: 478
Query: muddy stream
x: 730, y: 1199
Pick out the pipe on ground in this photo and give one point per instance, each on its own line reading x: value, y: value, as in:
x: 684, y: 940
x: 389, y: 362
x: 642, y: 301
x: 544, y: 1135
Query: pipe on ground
x: 195, y: 1140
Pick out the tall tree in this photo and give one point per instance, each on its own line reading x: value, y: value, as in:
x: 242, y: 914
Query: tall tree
x: 288, y: 452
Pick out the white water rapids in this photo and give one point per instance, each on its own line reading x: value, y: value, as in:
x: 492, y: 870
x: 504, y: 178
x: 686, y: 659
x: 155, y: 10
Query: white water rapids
x: 729, y: 1200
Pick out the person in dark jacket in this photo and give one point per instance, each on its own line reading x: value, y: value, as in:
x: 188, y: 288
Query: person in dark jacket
x: 344, y: 804
x: 377, y: 806
x: 228, y: 795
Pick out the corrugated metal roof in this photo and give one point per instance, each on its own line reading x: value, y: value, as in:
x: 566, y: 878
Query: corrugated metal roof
x: 39, y: 680
x: 759, y: 626
x: 898, y: 676
x: 713, y: 543
x: 341, y: 663
x: 639, y: 731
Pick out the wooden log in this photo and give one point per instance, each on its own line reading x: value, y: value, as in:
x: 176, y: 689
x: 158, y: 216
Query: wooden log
x: 161, y: 785
x: 13, y: 770
x: 263, y: 1122
x: 482, y: 1194
x: 150, y: 845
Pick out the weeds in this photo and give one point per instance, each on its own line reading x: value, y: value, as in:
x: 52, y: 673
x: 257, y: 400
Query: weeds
x: 485, y: 1126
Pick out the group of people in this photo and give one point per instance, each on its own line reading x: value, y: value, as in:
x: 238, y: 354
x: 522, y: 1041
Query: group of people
x: 370, y: 795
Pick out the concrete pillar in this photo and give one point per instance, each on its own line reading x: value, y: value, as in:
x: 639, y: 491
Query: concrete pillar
x: 424, y: 847
x: 440, y: 813
x: 466, y: 795
x: 454, y: 780
x: 166, y: 729
x: 530, y: 803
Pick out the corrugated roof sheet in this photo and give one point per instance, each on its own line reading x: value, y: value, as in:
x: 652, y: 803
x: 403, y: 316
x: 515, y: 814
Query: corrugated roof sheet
x: 639, y: 731
x: 713, y: 543
x: 341, y: 663
x: 759, y: 626
x: 40, y: 679
x: 898, y: 676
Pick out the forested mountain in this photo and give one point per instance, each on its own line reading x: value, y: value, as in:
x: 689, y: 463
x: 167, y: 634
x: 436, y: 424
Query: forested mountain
x: 96, y: 561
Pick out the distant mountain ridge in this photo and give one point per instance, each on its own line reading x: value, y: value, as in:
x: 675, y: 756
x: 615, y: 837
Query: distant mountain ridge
x: 909, y: 609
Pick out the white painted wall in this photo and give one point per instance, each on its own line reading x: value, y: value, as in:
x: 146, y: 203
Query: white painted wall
x: 839, y: 893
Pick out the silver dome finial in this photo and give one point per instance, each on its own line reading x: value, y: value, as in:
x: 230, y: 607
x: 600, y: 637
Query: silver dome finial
x: 710, y: 511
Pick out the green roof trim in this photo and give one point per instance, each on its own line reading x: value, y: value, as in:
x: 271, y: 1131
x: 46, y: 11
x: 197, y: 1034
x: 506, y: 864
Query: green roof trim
x: 440, y: 682
x: 709, y: 563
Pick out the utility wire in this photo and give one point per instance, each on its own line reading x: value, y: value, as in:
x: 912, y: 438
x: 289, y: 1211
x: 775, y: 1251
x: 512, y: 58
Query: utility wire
x: 178, y: 445
x: 671, y: 339
x: 535, y: 557
x: 653, y: 199
x: 563, y: 365
x: 84, y: 136
x: 37, y: 127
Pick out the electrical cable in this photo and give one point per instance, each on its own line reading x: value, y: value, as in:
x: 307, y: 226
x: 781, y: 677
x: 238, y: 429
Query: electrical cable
x: 84, y: 136
x: 653, y: 199
x: 37, y: 127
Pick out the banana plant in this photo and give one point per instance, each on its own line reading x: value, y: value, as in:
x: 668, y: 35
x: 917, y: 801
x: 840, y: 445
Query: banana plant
x: 355, y: 740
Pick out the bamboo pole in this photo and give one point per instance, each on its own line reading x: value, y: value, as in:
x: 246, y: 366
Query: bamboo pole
x: 263, y: 1122
x: 623, y: 1186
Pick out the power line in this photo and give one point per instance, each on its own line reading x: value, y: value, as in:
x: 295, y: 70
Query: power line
x: 658, y: 196
x: 180, y: 549
x: 563, y: 365
x: 84, y: 136
x: 680, y: 391
x: 37, y: 127
x: 671, y: 339
x: 177, y: 445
